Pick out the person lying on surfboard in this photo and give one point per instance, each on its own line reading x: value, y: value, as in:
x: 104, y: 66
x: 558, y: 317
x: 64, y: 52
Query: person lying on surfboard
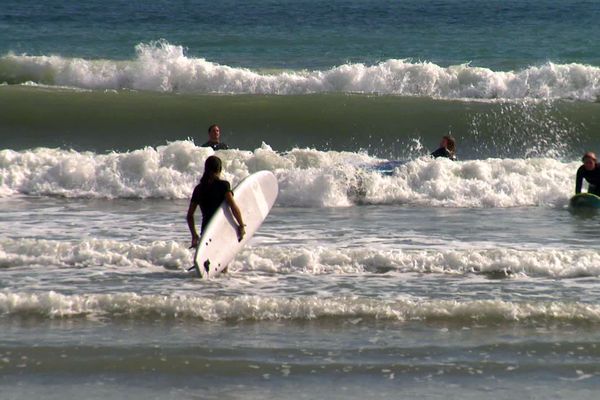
x: 214, y: 138
x: 209, y: 194
x: 590, y: 170
x: 447, y: 148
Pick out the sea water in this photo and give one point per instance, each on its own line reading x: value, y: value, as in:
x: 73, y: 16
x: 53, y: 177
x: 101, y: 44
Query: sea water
x: 380, y: 273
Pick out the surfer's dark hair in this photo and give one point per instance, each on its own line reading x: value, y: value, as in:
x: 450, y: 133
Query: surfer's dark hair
x: 210, y: 128
x: 590, y: 155
x: 451, y: 144
x: 212, y: 169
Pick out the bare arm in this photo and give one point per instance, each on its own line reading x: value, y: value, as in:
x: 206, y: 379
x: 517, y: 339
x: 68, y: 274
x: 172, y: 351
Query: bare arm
x: 192, y: 224
x: 236, y: 214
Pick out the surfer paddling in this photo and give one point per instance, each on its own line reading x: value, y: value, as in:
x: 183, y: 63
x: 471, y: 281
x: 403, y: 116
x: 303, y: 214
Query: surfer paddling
x: 447, y: 148
x: 209, y: 194
x: 214, y: 138
x: 590, y: 171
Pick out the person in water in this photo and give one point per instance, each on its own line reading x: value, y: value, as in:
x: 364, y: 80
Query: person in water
x: 447, y: 148
x: 214, y: 138
x: 209, y: 194
x: 590, y: 170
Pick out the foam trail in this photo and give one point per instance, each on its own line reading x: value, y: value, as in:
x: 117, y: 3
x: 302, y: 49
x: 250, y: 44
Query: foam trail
x: 254, y: 308
x: 542, y: 262
x: 92, y: 253
x: 163, y: 67
x: 307, y: 177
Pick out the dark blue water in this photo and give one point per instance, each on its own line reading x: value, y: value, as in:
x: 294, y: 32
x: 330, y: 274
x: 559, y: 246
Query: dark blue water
x: 312, y: 34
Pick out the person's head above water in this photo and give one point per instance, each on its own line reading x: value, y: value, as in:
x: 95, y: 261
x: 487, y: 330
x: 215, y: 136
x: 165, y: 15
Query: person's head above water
x: 212, y: 169
x: 213, y: 165
x: 449, y: 143
x: 589, y: 161
x: 214, y: 133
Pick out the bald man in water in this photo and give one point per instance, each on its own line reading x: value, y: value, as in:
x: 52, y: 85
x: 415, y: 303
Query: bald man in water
x: 590, y: 170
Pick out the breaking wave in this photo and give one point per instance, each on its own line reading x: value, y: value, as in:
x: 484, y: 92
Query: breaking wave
x: 255, y: 308
x: 163, y: 67
x: 307, y: 177
x: 314, y: 260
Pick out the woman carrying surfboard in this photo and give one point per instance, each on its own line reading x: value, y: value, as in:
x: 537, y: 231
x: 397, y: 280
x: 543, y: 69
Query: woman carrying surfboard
x: 209, y: 194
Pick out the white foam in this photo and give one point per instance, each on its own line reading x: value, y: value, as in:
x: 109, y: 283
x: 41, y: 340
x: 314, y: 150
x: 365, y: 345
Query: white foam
x: 541, y: 262
x: 313, y: 260
x: 306, y: 177
x: 160, y: 66
x: 255, y: 308
x: 93, y: 252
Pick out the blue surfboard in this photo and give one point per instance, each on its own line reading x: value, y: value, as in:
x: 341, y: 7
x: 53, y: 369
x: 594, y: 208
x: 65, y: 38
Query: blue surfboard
x: 584, y: 201
x: 387, y: 168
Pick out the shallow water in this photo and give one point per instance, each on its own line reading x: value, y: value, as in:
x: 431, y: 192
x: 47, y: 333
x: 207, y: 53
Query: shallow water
x: 432, y: 302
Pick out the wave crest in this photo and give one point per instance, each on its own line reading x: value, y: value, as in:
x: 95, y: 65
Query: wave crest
x: 163, y: 67
x: 307, y: 177
x: 313, y: 260
x: 255, y: 308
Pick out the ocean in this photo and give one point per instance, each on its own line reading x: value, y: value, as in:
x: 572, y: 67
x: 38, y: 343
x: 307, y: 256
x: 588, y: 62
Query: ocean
x: 380, y: 272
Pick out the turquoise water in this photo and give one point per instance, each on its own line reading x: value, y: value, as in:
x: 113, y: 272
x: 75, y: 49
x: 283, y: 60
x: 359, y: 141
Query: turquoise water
x: 392, y: 127
x: 518, y: 78
x: 380, y: 273
x: 502, y: 35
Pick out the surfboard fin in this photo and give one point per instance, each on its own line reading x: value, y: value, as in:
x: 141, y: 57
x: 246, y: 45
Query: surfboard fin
x: 195, y: 268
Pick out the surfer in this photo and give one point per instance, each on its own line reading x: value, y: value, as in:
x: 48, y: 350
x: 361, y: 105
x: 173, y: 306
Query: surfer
x: 209, y: 194
x: 214, y: 138
x: 447, y: 148
x: 590, y: 170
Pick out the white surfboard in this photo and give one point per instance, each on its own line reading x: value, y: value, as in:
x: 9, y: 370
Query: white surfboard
x: 255, y: 195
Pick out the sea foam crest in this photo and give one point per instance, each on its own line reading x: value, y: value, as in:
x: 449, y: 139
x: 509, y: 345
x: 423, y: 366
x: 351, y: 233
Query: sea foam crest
x: 93, y: 252
x: 261, y: 308
x: 498, y: 261
x: 305, y: 260
x: 306, y: 177
x: 160, y: 66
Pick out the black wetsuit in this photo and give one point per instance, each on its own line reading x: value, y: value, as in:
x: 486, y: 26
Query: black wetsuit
x: 592, y: 177
x: 216, y: 145
x: 443, y: 152
x: 209, y: 198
